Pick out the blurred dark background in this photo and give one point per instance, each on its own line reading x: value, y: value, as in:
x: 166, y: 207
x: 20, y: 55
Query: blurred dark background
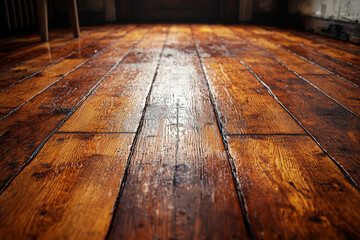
x: 335, y: 18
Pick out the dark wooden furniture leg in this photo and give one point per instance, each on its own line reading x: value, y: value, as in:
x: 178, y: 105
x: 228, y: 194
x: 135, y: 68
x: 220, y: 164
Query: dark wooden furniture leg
x: 73, y: 15
x: 43, y: 19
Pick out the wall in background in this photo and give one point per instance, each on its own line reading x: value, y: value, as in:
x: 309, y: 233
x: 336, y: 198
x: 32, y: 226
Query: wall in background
x: 334, y: 18
x: 343, y: 10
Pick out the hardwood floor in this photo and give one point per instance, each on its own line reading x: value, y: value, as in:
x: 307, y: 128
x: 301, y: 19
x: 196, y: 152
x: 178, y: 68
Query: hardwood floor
x: 179, y: 132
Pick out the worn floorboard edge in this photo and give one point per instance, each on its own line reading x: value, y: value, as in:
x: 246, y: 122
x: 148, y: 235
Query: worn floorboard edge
x: 57, y: 80
x: 137, y: 133
x: 66, y: 118
x: 249, y: 230
x: 341, y: 168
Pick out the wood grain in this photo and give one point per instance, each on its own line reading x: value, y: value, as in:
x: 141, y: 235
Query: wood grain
x: 20, y: 93
x: 347, y: 56
x: 207, y: 43
x: 319, y: 64
x: 293, y: 190
x: 351, y: 48
x: 179, y: 132
x: 25, y: 90
x: 341, y: 91
x: 33, y: 66
x: 179, y: 182
x: 335, y: 65
x: 68, y: 191
x: 333, y: 127
x: 19, y: 55
x: 117, y: 105
x: 24, y: 131
x: 243, y: 102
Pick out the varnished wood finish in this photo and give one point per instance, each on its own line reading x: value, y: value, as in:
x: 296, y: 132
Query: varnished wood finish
x: 31, y: 125
x: 179, y: 182
x: 113, y: 100
x: 244, y: 102
x: 75, y: 179
x: 293, y: 190
x: 179, y: 132
x: 339, y: 62
x: 332, y: 126
x: 31, y: 67
x: 20, y: 93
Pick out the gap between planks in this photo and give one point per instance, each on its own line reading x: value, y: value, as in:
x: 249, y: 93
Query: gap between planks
x: 337, y: 163
x: 41, y: 145
x: 234, y: 174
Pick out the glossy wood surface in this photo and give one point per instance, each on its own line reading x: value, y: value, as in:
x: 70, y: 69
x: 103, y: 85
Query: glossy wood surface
x: 336, y: 129
x: 179, y: 183
x: 182, y: 131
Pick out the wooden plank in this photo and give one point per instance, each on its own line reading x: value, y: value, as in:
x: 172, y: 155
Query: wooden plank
x: 293, y: 190
x: 117, y: 105
x: 179, y: 182
x: 15, y: 96
x: 31, y: 67
x: 347, y: 56
x: 243, y: 102
x: 207, y: 43
x: 332, y: 64
x: 23, y: 132
x: 31, y: 42
x: 19, y: 55
x: 333, y: 127
x: 321, y: 66
x: 5, y: 111
x: 68, y: 191
x: 327, y: 41
x: 22, y: 92
x: 344, y: 92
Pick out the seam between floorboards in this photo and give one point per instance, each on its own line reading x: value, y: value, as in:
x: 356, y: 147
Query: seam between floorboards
x: 327, y: 56
x: 137, y: 134
x: 299, y: 75
x: 222, y: 132
x: 68, y: 42
x: 37, y: 150
x: 53, y: 64
x: 304, y: 58
x: 264, y: 134
x: 60, y: 78
x: 316, y: 87
x: 77, y: 132
x: 340, y: 167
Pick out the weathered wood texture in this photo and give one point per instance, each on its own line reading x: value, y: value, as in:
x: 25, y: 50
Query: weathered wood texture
x: 179, y: 132
x: 333, y: 60
x: 333, y: 127
x: 17, y: 51
x: 116, y: 106
x: 18, y: 94
x: 25, y: 130
x: 179, y: 183
x: 37, y: 65
x: 244, y: 102
x: 287, y: 182
x: 293, y: 190
x: 345, y: 54
x: 349, y: 48
x: 68, y: 191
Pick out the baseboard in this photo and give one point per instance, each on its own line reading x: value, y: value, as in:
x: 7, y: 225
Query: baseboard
x: 346, y: 31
